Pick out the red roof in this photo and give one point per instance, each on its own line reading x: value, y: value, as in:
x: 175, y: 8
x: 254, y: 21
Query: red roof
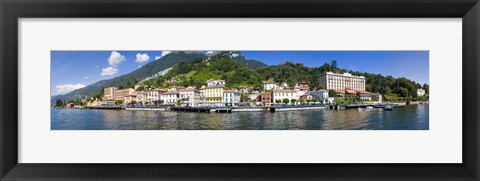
x: 351, y: 91
x: 188, y: 89
x: 340, y: 91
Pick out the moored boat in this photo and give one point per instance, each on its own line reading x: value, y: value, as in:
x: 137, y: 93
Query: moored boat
x: 388, y: 108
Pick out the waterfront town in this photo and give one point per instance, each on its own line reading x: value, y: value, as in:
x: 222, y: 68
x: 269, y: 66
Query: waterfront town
x: 339, y: 89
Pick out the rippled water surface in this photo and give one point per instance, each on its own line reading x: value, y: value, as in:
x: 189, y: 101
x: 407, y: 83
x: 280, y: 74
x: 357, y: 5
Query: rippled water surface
x: 412, y: 117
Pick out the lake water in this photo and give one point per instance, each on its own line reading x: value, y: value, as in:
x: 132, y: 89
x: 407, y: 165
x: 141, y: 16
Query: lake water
x: 412, y: 117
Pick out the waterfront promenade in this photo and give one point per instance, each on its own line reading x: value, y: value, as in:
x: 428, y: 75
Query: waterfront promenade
x: 246, y: 109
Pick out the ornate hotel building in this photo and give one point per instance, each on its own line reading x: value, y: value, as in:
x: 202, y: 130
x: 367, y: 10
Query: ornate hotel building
x: 343, y: 81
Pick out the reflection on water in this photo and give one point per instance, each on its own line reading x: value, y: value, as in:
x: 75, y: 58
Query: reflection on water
x: 413, y: 117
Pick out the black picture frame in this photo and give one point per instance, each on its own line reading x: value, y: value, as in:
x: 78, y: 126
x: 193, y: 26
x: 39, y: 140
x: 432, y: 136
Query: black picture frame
x: 11, y: 10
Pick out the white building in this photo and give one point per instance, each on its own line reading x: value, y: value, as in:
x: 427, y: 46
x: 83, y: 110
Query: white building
x: 269, y: 85
x: 299, y: 92
x: 319, y: 94
x: 420, y: 92
x: 376, y: 97
x: 283, y: 85
x: 284, y: 94
x: 230, y: 98
x: 342, y: 81
x: 211, y: 83
x: 202, y: 91
x: 364, y: 96
x: 189, y: 96
x: 252, y: 96
x: 141, y: 97
x: 153, y: 96
x: 169, y: 98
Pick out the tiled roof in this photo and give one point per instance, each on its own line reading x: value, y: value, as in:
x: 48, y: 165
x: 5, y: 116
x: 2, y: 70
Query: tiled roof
x: 177, y: 87
x: 188, y: 89
x: 351, y: 91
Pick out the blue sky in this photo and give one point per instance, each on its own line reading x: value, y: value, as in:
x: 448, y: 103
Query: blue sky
x: 76, y: 69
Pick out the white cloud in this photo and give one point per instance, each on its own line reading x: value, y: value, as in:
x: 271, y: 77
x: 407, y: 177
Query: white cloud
x: 142, y: 58
x: 210, y: 52
x: 116, y: 58
x: 88, y: 77
x: 109, y: 71
x: 163, y: 54
x: 68, y: 87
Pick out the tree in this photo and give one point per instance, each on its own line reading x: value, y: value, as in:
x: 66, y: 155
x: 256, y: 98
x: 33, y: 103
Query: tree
x: 278, y: 101
x: 59, y: 103
x: 243, y: 97
x: 426, y: 87
x: 118, y: 102
x: 294, y: 101
x: 286, y: 100
x: 334, y: 64
x: 332, y: 93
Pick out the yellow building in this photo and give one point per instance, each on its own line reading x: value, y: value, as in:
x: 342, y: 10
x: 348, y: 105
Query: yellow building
x: 214, y: 95
x: 109, y: 93
x: 122, y: 93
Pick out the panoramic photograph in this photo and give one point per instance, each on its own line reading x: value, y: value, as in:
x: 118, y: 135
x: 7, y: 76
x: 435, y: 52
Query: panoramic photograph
x: 239, y: 90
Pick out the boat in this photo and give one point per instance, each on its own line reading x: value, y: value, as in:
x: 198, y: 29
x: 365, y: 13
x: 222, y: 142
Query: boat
x: 369, y: 107
x: 388, y: 108
x: 361, y: 109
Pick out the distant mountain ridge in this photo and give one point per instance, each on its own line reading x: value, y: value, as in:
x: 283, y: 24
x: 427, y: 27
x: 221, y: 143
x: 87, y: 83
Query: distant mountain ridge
x: 236, y: 55
x: 152, y: 70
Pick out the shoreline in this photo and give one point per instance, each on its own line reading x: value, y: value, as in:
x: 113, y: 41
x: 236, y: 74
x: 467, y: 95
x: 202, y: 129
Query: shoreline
x: 237, y: 109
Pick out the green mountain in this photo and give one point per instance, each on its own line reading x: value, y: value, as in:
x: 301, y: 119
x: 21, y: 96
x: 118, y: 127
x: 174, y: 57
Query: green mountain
x: 237, y: 74
x: 148, y: 70
x: 237, y: 56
